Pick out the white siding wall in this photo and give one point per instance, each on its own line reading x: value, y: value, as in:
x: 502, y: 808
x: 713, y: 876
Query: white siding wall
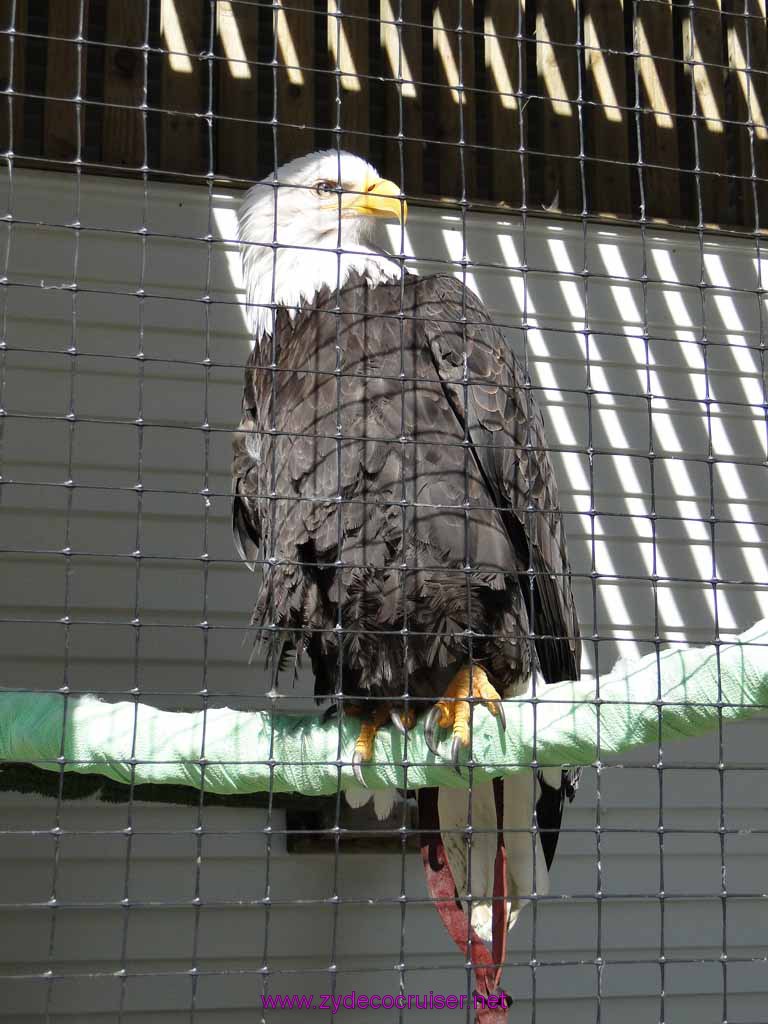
x: 149, y: 294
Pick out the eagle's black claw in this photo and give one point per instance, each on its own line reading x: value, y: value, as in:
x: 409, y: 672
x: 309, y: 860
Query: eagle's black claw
x: 357, y: 771
x: 397, y: 721
x: 502, y: 716
x: 430, y: 730
x: 455, y: 748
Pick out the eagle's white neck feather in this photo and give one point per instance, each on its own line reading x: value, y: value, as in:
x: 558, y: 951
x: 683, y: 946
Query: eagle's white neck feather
x: 293, y: 245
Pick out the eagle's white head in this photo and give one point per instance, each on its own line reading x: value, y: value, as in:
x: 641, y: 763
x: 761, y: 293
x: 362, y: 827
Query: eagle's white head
x: 310, y: 226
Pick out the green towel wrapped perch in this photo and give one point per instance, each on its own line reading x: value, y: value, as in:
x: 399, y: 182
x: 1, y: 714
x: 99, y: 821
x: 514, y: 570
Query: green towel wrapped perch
x: 679, y: 693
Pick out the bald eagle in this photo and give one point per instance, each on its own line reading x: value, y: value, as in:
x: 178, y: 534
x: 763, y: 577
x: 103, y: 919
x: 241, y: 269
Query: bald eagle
x: 392, y: 480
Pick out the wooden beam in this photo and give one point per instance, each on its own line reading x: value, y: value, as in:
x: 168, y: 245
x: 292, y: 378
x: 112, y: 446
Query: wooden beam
x: 348, y: 35
x: 12, y: 109
x: 401, y: 46
x: 608, y: 178
x: 295, y: 33
x: 748, y: 88
x: 557, y: 173
x: 64, y: 81
x: 237, y: 95
x: 653, y: 36
x: 705, y: 75
x: 124, y: 134
x: 454, y: 64
x: 183, y: 80
x: 505, y: 74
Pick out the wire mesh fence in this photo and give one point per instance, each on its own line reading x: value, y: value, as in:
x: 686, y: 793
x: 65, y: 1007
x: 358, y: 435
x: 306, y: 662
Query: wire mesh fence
x: 595, y: 173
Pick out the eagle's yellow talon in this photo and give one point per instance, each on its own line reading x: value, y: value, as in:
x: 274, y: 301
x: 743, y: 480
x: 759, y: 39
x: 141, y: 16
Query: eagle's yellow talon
x: 403, y: 720
x: 366, y: 741
x: 461, y: 722
x: 453, y: 711
x: 446, y: 713
x: 409, y: 718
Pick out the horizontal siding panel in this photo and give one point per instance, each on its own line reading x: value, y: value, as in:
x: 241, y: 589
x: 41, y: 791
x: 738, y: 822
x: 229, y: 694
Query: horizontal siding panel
x: 635, y: 1012
x: 166, y: 933
x: 623, y: 1011
x: 628, y: 879
x: 226, y: 995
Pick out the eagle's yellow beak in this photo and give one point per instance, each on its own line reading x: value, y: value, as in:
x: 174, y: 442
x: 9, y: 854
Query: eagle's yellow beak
x: 379, y: 198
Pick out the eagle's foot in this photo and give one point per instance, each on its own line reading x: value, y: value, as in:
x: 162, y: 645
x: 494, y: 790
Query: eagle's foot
x: 366, y: 739
x: 403, y: 720
x: 470, y: 684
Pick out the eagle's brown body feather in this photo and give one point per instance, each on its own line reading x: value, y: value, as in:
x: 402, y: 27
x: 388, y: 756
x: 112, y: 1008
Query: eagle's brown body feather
x: 391, y: 473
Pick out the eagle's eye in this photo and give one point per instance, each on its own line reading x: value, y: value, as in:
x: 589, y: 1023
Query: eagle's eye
x: 324, y: 187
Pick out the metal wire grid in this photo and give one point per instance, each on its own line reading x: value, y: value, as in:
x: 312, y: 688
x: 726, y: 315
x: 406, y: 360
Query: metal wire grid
x: 271, y: 977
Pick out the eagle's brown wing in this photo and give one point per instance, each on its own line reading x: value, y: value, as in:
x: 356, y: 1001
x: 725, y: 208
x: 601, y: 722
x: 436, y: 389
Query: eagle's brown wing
x: 506, y: 431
